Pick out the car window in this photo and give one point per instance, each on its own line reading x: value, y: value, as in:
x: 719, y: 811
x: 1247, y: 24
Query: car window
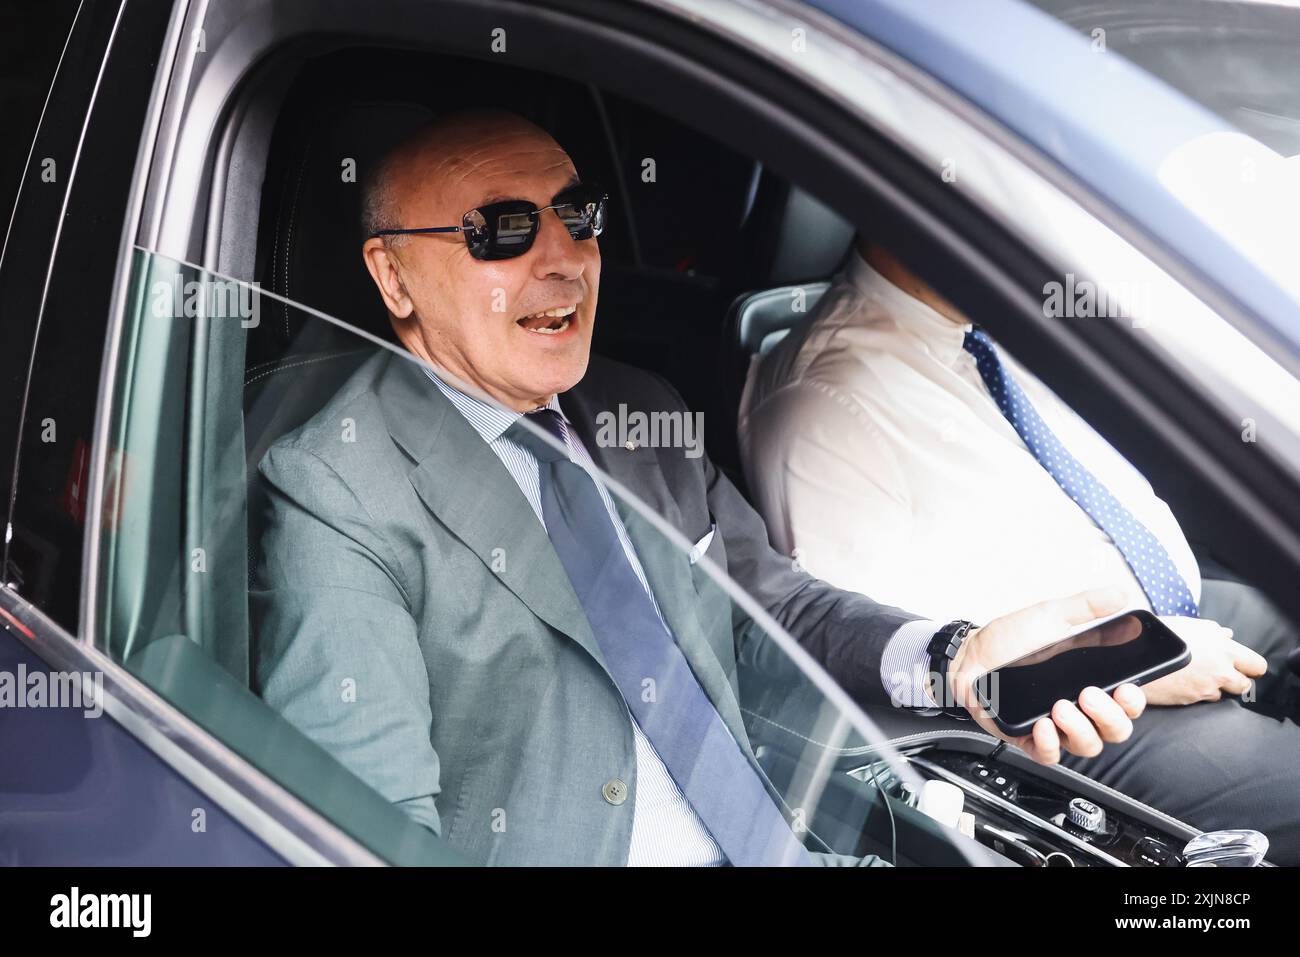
x: 249, y: 570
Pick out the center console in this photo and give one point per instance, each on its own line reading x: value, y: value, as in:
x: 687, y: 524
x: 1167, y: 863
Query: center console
x: 1034, y: 816
x: 951, y: 795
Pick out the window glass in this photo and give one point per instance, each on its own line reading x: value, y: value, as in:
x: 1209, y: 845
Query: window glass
x: 319, y: 560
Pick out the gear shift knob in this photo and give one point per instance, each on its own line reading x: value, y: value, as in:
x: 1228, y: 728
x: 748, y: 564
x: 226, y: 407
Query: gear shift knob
x: 1231, y: 848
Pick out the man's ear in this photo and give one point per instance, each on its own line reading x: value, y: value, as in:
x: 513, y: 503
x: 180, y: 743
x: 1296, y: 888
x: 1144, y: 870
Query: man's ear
x: 383, y: 266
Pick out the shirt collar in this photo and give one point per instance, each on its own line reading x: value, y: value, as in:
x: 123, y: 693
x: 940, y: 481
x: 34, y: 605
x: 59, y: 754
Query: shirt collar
x: 937, y: 333
x: 489, y: 419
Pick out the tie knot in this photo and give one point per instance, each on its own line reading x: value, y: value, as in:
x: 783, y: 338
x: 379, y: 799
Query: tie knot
x: 977, y: 342
x: 545, y: 420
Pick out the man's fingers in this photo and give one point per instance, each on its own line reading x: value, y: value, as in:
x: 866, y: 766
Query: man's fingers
x: 1132, y: 699
x: 1236, y: 683
x: 1107, y: 715
x: 1046, y: 742
x: 1247, y: 660
x: 1080, y: 736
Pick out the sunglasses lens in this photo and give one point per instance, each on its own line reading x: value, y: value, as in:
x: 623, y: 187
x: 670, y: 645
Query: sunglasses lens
x: 583, y: 214
x: 514, y: 232
x: 500, y: 230
x: 477, y: 235
x: 507, y: 229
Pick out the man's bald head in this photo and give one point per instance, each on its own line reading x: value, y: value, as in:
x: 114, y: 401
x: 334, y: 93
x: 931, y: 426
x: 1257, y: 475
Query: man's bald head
x: 441, y: 152
x: 519, y: 329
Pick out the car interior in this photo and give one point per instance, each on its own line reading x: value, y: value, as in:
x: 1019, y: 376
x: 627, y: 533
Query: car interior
x: 695, y: 271
x: 702, y: 249
x: 693, y: 268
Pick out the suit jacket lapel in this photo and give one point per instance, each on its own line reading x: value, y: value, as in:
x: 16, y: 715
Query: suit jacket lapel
x: 666, y: 566
x: 461, y: 480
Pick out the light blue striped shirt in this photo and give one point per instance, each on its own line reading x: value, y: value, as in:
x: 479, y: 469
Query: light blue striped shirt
x: 665, y: 828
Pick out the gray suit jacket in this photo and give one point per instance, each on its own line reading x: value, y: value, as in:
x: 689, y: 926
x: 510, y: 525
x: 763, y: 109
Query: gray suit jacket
x: 412, y: 616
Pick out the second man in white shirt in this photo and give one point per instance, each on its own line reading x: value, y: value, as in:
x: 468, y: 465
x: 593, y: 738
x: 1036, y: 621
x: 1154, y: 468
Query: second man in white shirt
x: 881, y: 459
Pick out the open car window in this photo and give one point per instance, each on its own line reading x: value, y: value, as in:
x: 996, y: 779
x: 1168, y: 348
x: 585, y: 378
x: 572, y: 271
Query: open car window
x: 244, y: 579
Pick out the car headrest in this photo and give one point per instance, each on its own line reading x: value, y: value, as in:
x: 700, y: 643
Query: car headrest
x: 796, y: 237
x: 313, y: 251
x: 762, y: 319
x: 755, y: 323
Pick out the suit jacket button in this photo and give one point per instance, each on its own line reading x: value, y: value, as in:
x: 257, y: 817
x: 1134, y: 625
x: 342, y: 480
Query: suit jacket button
x: 614, y: 791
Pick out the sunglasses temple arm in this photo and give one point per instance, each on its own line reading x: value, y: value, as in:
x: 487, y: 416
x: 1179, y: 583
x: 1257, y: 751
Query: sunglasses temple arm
x: 426, y: 229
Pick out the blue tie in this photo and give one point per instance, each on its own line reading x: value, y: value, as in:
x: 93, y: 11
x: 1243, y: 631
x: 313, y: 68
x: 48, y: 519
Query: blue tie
x: 1160, y: 579
x: 679, y: 720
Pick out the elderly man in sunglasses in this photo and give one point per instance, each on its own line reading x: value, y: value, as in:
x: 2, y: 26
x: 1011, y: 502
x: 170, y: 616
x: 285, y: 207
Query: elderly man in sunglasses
x: 499, y: 618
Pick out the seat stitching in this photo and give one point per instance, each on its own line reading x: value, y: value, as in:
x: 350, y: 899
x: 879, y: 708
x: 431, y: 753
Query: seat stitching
x: 288, y: 240
x: 294, y: 366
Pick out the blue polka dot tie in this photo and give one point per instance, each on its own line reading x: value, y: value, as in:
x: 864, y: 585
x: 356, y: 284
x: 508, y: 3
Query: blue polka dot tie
x: 1155, y: 571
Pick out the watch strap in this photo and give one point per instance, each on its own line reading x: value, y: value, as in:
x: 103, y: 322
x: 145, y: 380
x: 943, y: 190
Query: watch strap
x: 943, y: 648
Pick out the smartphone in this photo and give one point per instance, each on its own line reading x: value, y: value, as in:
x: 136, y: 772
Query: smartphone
x: 1132, y: 647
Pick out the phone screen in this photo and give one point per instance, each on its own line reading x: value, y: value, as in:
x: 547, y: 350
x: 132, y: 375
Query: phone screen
x: 1133, y: 646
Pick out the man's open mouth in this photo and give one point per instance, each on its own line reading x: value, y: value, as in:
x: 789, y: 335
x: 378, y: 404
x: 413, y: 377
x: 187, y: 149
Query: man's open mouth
x: 548, y: 322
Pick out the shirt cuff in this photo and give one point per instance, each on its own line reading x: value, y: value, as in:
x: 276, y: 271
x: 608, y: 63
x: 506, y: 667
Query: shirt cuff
x: 905, y: 666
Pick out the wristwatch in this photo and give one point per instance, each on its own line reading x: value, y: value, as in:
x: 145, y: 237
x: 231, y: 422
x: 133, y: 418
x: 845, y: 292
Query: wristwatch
x: 943, y: 649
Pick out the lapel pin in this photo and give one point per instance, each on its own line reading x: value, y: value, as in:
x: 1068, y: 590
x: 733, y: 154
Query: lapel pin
x: 630, y: 445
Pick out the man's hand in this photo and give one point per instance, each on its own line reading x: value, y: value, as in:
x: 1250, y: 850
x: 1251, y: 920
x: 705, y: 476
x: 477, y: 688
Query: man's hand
x: 1081, y: 729
x: 1218, y: 665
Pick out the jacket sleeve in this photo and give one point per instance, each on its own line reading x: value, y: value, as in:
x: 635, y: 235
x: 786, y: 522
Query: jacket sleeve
x: 844, y: 631
x: 338, y: 653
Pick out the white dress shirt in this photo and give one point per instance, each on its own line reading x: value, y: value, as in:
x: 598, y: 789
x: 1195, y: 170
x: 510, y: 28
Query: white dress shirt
x: 666, y: 831
x: 874, y: 449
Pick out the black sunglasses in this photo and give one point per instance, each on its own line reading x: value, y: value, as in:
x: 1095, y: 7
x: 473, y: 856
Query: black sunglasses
x: 507, y: 229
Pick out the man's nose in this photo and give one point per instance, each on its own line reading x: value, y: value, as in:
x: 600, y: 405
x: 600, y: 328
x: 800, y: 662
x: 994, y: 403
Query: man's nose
x: 556, y: 254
